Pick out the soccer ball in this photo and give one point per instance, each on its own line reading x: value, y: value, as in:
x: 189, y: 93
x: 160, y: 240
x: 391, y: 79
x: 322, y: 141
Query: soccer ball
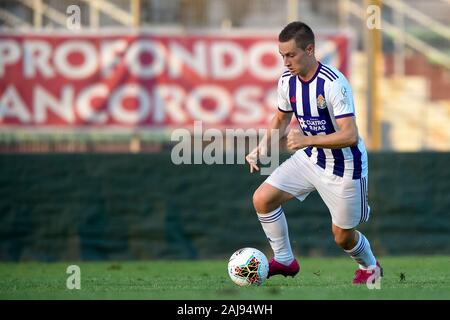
x: 248, y: 267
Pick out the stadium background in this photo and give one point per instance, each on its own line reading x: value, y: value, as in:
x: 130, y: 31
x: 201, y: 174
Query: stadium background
x: 85, y: 163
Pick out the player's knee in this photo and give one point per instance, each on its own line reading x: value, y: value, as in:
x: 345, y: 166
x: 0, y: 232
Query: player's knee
x: 343, y: 240
x: 261, y: 201
x: 258, y: 201
x: 340, y: 241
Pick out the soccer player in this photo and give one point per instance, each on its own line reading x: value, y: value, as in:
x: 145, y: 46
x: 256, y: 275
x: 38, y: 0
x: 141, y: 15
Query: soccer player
x: 329, y: 157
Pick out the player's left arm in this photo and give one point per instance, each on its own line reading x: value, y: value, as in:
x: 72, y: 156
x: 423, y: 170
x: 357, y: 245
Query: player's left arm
x: 345, y: 136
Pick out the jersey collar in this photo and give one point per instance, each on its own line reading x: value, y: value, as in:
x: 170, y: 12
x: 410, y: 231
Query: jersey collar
x: 313, y: 77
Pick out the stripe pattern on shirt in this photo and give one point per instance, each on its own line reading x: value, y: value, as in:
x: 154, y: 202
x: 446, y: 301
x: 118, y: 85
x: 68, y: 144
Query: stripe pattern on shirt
x: 309, y: 104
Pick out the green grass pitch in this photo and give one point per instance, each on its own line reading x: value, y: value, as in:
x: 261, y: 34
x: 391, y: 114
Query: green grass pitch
x: 425, y: 277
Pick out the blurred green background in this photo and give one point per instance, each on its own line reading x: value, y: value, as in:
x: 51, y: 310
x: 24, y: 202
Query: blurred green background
x: 141, y: 206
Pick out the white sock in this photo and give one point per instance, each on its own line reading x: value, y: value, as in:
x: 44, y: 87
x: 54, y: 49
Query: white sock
x: 275, y: 227
x: 362, y: 253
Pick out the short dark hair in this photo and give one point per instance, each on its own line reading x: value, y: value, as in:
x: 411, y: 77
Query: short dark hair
x: 299, y: 31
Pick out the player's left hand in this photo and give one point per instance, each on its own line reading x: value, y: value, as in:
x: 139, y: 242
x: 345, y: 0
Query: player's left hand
x: 296, y: 140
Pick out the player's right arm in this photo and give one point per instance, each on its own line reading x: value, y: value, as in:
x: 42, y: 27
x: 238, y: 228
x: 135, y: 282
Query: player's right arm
x: 280, y: 122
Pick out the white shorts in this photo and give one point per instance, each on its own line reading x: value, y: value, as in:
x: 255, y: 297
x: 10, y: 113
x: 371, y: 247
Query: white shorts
x: 347, y: 199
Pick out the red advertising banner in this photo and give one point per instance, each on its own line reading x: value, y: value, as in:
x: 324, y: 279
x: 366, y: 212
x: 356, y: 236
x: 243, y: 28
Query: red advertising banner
x: 145, y: 79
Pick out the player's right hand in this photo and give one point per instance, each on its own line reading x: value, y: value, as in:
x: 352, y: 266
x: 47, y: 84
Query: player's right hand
x: 252, y: 159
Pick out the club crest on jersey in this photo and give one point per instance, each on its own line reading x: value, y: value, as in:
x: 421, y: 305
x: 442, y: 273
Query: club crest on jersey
x: 321, y: 103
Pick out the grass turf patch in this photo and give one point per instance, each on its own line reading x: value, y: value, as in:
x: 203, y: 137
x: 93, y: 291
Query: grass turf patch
x: 424, y: 277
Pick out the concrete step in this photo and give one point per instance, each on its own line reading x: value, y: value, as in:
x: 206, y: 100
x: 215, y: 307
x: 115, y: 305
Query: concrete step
x: 410, y: 120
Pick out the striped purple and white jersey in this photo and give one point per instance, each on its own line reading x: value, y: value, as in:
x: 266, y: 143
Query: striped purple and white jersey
x: 317, y: 104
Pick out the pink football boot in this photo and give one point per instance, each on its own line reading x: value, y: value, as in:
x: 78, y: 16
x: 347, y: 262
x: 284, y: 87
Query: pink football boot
x: 278, y: 268
x: 362, y: 276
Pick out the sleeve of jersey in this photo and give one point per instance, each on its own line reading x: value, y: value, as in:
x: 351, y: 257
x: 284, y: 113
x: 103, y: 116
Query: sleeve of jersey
x: 341, y: 98
x: 282, y: 95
